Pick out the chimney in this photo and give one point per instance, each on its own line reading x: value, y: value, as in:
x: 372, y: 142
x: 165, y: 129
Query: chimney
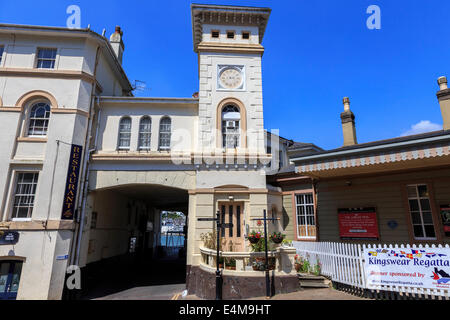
x: 443, y: 96
x: 117, y: 44
x: 348, y: 124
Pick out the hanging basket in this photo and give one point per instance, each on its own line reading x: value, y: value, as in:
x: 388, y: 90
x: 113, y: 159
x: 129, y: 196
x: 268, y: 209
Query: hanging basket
x: 277, y: 240
x: 253, y: 240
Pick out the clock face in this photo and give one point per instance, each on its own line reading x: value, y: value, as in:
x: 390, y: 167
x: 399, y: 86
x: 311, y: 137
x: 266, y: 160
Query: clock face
x: 230, y: 78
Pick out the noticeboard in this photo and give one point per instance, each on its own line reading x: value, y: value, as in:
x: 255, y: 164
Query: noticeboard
x: 358, y: 224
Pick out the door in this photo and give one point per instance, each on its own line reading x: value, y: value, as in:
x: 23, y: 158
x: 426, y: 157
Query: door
x: 9, y: 279
x: 232, y: 238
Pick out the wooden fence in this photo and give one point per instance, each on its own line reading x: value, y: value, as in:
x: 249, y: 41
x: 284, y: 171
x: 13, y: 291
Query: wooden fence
x: 343, y: 263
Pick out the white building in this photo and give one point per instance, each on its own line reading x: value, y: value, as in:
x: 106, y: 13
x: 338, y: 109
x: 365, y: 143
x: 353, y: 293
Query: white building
x: 135, y: 156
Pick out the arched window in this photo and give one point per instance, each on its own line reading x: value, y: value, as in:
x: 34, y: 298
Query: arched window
x: 39, y: 117
x: 124, y: 133
x: 231, y: 118
x: 145, y: 132
x: 165, y: 127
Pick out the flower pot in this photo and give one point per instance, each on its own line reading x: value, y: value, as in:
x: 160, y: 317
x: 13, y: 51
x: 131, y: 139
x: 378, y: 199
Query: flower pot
x: 230, y: 267
x: 298, y: 266
x: 253, y: 240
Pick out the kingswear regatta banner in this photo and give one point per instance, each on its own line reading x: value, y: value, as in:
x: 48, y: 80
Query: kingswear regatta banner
x: 70, y: 193
x: 419, y: 267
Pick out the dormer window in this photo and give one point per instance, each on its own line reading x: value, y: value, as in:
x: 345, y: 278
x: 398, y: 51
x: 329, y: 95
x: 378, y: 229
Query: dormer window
x: 230, y: 34
x: 215, y: 34
x: 245, y: 35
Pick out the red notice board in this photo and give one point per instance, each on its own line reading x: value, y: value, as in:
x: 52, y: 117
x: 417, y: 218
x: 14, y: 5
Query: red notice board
x: 358, y: 224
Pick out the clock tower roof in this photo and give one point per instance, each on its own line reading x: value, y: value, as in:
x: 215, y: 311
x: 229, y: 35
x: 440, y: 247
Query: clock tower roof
x: 227, y: 15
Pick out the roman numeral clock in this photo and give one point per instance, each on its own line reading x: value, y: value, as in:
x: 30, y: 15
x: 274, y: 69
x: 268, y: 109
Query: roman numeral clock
x: 230, y: 77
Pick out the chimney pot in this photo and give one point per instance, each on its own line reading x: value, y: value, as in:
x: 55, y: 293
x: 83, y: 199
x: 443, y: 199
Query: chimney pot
x: 442, y: 82
x: 346, y: 102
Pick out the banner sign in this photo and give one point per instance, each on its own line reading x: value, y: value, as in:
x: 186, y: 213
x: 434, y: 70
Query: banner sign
x: 445, y: 214
x: 9, y: 237
x: 358, y: 224
x: 421, y: 268
x: 70, y: 193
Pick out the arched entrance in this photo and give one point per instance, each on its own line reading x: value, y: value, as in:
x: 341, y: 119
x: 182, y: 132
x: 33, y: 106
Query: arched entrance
x: 122, y: 254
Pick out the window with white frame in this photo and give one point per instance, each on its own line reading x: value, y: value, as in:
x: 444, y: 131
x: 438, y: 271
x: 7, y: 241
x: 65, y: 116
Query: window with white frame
x: 145, y: 132
x: 39, y: 118
x: 306, y: 225
x: 420, y: 210
x: 2, y: 48
x: 24, y: 194
x: 46, y: 58
x: 165, y: 128
x: 231, y: 118
x: 124, y: 133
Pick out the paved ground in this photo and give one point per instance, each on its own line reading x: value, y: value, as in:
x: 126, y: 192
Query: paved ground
x: 304, y: 294
x: 164, y: 292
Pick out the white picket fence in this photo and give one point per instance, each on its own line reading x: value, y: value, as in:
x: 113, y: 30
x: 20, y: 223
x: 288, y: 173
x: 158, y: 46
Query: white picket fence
x: 343, y: 263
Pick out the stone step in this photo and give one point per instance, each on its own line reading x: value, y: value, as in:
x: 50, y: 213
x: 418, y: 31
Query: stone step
x: 307, y: 276
x: 307, y: 280
x: 314, y: 284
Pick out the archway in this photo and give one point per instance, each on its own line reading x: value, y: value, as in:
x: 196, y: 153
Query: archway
x: 121, y: 244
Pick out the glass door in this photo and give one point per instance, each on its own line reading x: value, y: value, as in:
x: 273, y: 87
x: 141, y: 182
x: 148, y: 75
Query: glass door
x: 9, y: 279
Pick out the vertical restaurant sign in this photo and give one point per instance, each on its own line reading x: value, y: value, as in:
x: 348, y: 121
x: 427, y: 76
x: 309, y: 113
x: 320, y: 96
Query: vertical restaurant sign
x: 70, y: 193
x: 358, y: 224
x: 411, y: 267
x: 445, y: 214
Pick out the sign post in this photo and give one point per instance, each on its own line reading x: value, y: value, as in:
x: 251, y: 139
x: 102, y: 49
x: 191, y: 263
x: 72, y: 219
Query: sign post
x: 266, y: 267
x: 219, y: 227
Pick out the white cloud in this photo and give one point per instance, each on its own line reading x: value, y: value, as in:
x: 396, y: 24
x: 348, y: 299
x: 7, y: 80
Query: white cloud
x: 421, y: 127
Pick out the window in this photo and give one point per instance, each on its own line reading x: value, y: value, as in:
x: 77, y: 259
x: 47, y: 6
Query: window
x: 420, y: 210
x: 231, y: 126
x: 230, y: 34
x: 124, y: 133
x: 245, y: 35
x: 94, y: 220
x: 214, y: 34
x: 306, y: 226
x: 164, y: 133
x: 145, y: 132
x: 24, y: 194
x: 280, y: 159
x: 46, y: 58
x: 1, y: 54
x: 39, y: 117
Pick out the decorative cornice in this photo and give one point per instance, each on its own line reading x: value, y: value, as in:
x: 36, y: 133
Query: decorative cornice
x: 227, y: 15
x: 230, y: 48
x: 50, y: 73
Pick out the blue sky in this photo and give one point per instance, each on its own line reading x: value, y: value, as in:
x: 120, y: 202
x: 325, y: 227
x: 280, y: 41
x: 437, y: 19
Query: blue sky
x: 316, y: 53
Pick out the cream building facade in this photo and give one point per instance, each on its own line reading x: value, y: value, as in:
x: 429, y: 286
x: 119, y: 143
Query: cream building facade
x: 61, y: 88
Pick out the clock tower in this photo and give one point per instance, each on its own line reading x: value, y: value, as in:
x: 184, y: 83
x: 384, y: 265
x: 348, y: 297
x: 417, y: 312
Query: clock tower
x: 228, y: 42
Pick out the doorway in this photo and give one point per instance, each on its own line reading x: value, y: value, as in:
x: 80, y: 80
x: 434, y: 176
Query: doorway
x: 233, y: 238
x: 9, y: 279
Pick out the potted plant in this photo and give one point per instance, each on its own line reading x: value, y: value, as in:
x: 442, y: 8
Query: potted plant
x: 277, y: 237
x: 254, y: 237
x: 230, y: 263
x: 298, y: 262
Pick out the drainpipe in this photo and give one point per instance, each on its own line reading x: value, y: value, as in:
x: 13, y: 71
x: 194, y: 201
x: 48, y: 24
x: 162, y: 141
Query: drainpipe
x: 85, y: 192
x: 81, y: 201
